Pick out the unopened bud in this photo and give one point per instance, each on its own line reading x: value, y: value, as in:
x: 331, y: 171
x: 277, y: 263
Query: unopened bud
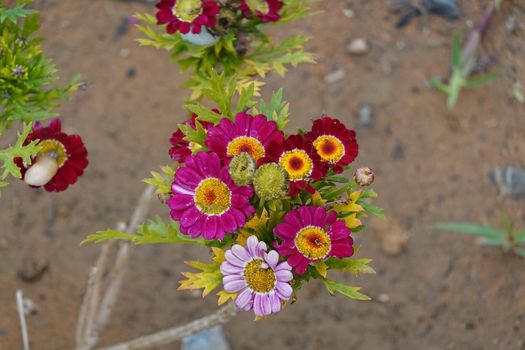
x: 364, y: 176
x: 242, y: 168
x: 271, y: 182
x: 42, y: 171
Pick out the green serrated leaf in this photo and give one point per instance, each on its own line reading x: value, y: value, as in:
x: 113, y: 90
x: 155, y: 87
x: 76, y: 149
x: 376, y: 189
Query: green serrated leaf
x: 354, y: 266
x: 152, y: 232
x: 346, y: 290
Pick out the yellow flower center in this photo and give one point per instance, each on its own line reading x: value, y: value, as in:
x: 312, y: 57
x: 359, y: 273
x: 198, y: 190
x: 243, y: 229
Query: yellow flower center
x: 212, y: 196
x: 247, y: 144
x: 187, y: 10
x: 56, y: 149
x: 297, y: 164
x: 260, y: 279
x: 329, y: 148
x: 258, y: 6
x: 313, y: 242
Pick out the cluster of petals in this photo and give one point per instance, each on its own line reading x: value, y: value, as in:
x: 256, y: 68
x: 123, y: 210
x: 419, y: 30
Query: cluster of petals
x: 206, y: 201
x: 247, y: 133
x: 309, y: 234
x: 68, y: 151
x: 334, y: 143
x: 299, y: 158
x: 270, y: 14
x: 180, y: 148
x: 205, y: 15
x: 260, y: 281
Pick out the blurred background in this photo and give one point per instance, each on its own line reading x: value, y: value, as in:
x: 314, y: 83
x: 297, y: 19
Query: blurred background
x: 432, y: 290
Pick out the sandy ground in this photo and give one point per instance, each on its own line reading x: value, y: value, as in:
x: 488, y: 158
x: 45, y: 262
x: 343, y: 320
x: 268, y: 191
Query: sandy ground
x: 444, y: 292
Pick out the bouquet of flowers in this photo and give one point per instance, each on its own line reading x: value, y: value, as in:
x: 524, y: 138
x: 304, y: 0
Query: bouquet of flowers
x: 273, y: 208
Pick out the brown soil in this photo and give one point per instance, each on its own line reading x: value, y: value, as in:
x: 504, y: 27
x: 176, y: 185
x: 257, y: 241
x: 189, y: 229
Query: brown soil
x: 445, y: 292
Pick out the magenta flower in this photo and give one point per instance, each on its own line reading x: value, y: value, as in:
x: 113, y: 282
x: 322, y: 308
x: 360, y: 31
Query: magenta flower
x: 246, y: 134
x: 310, y: 234
x: 186, y: 15
x: 262, y: 283
x: 205, y: 199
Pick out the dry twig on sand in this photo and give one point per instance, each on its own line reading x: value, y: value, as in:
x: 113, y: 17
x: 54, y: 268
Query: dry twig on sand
x: 167, y: 336
x: 96, y: 309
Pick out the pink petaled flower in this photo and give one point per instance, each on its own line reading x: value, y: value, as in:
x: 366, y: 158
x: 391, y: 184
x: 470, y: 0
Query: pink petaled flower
x: 266, y: 10
x: 261, y: 281
x: 310, y: 234
x: 205, y: 199
x: 181, y: 149
x: 187, y: 15
x: 246, y: 134
x: 61, y: 160
x: 334, y: 143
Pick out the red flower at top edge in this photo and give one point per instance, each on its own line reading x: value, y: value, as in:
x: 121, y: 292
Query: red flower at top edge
x: 187, y: 15
x: 268, y: 11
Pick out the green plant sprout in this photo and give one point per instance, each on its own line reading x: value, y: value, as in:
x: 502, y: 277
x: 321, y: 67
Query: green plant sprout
x: 508, y: 238
x: 464, y: 61
x: 26, y: 77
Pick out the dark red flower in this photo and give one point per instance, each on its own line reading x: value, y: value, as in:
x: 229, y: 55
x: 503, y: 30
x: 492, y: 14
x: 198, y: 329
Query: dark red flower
x: 266, y: 10
x: 300, y: 160
x: 181, y: 149
x: 187, y: 15
x: 335, y: 144
x: 67, y: 150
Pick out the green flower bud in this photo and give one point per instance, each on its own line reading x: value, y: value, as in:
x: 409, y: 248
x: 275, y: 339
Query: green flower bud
x: 271, y: 182
x: 242, y: 168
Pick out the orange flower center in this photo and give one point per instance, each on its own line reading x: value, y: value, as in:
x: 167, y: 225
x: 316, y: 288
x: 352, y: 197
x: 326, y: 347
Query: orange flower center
x: 329, y: 148
x: 259, y: 276
x: 247, y: 144
x: 313, y: 242
x: 212, y: 196
x: 297, y: 164
x: 54, y: 148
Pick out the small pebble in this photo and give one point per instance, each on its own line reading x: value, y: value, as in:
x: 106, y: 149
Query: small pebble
x: 365, y: 115
x: 124, y: 52
x: 398, y: 152
x: 348, y: 13
x: 33, y: 270
x: 132, y: 72
x: 509, y: 181
x: 358, y: 46
x: 334, y: 76
x: 212, y: 338
x: 510, y: 23
x: 447, y: 9
x: 392, y: 237
x: 30, y: 307
x: 383, y: 298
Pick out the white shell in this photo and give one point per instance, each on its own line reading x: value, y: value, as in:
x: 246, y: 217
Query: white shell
x: 42, y: 171
x: 204, y: 38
